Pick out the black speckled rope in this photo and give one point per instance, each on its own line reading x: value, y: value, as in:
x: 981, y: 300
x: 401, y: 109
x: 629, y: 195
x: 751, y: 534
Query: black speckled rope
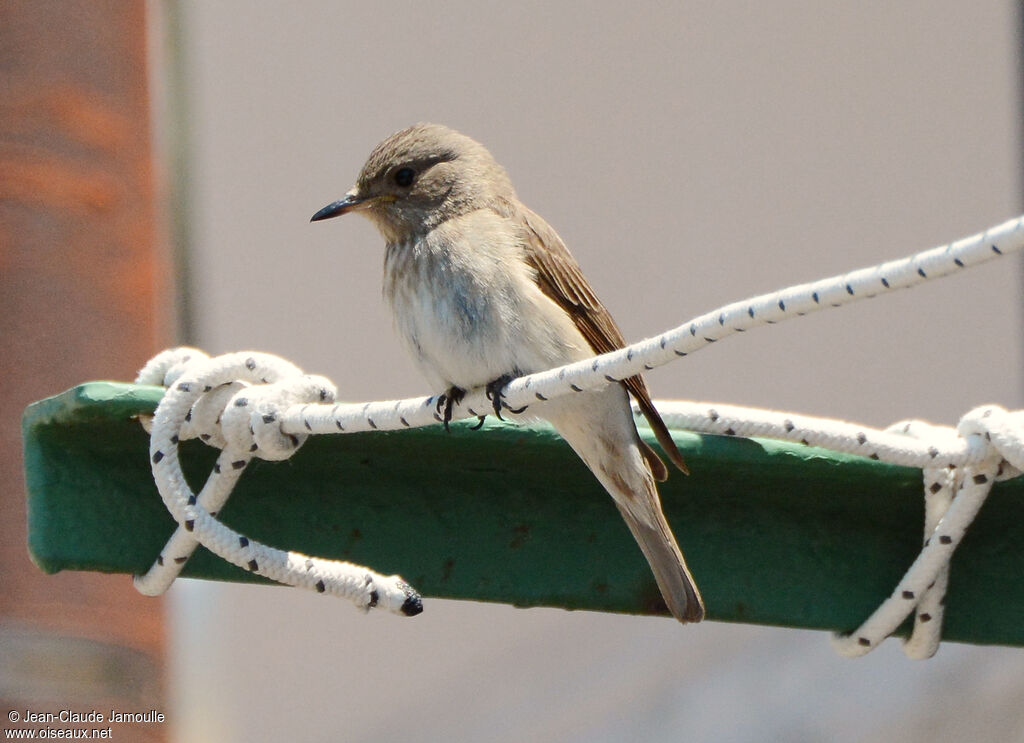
x: 988, y: 445
x: 246, y: 427
x: 767, y: 309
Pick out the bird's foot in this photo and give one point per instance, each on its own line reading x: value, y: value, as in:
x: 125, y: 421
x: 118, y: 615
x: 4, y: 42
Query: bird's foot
x: 496, y: 392
x: 447, y: 400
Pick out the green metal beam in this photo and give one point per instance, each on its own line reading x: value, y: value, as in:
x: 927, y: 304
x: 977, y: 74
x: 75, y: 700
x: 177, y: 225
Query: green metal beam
x: 775, y: 533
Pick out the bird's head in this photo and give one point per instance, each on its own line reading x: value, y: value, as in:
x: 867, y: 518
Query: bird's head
x: 419, y: 177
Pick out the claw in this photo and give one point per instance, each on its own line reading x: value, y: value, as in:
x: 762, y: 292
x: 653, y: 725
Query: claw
x: 449, y: 399
x: 494, y: 389
x: 479, y: 423
x: 495, y: 393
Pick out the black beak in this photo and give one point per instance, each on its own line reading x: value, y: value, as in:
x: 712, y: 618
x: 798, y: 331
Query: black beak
x: 347, y: 204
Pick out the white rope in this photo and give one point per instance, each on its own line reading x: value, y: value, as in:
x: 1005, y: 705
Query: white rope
x: 647, y: 354
x: 248, y: 428
x: 265, y: 407
x: 988, y: 445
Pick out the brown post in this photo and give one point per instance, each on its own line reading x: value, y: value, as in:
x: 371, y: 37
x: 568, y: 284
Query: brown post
x: 80, y: 278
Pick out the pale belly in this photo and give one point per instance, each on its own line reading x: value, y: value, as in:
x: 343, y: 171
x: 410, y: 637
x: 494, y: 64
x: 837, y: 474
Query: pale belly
x: 466, y: 328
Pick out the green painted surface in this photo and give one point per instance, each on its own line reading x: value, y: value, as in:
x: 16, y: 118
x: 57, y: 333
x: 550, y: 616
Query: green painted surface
x: 775, y: 533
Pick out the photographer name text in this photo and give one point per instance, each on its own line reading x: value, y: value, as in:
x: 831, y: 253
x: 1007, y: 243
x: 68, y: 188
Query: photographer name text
x: 93, y: 716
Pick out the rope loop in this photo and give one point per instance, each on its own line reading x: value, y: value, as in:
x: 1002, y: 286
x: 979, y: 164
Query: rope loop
x: 234, y: 402
x: 953, y: 495
x: 958, y: 466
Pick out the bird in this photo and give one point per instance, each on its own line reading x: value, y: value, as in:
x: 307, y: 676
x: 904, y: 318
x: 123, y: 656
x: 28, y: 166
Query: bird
x: 483, y: 290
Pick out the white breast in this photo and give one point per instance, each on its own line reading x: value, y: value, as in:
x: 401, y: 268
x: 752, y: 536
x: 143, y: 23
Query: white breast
x: 468, y: 308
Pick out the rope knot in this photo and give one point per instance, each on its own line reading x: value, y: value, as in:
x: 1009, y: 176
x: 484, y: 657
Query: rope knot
x: 1002, y: 432
x: 251, y: 418
x: 237, y: 403
x: 244, y: 414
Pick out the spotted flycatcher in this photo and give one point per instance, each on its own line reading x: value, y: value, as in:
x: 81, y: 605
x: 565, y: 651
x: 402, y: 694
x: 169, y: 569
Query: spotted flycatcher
x: 483, y: 291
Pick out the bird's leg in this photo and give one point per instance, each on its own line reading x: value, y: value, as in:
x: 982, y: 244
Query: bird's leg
x: 448, y: 399
x: 495, y: 393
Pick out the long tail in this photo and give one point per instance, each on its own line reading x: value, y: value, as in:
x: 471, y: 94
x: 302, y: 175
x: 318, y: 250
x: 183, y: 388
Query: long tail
x: 599, y: 427
x: 670, y: 571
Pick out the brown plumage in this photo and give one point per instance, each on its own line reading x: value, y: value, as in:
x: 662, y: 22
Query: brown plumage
x: 559, y: 277
x: 482, y: 289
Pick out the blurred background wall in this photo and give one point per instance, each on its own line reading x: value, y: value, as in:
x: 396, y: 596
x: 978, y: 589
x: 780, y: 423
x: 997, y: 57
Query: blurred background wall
x: 81, y: 273
x: 690, y: 154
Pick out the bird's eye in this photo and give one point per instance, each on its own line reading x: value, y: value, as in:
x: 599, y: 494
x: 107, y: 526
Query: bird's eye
x: 404, y: 177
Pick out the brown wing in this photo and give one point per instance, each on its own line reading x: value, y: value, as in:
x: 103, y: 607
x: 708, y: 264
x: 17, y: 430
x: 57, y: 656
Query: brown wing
x: 560, y: 278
